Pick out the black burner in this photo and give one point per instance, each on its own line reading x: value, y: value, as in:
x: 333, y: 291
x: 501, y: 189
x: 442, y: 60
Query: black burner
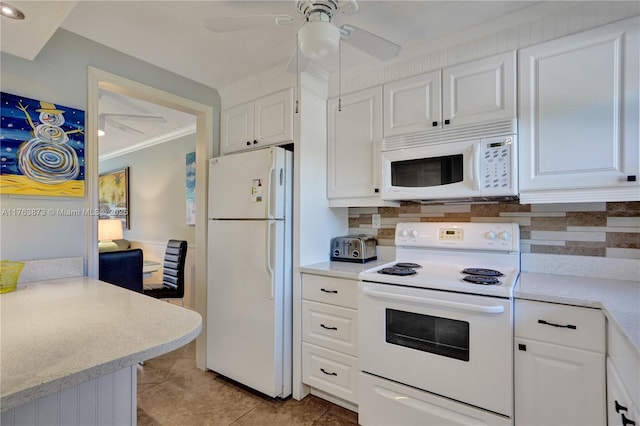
x: 397, y: 271
x: 479, y: 279
x: 407, y: 265
x: 483, y: 272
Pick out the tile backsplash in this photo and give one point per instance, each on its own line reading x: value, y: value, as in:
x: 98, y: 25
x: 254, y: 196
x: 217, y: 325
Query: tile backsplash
x: 581, y: 229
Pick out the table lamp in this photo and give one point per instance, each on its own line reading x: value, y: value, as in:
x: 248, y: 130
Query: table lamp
x: 109, y: 230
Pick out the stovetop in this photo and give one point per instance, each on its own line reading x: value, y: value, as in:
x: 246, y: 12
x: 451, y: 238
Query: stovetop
x: 473, y: 258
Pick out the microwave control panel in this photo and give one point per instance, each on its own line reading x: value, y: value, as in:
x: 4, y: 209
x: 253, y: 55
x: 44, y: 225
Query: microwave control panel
x: 496, y: 167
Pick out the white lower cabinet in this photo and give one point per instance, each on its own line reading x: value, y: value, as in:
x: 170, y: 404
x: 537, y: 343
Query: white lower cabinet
x: 559, y: 365
x: 623, y: 379
x: 621, y: 408
x: 329, y: 335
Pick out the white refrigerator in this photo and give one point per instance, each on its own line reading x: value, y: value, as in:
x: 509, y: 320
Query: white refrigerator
x: 249, y: 269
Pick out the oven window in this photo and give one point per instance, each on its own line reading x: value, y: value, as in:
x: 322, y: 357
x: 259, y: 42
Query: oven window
x: 440, y: 336
x: 425, y: 172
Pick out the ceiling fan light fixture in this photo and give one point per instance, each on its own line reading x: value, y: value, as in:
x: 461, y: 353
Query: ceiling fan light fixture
x: 318, y: 39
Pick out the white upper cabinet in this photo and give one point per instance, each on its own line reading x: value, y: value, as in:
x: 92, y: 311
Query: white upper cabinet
x: 474, y: 92
x: 579, y: 117
x: 353, y: 146
x: 265, y: 121
x: 412, y: 105
x: 479, y: 91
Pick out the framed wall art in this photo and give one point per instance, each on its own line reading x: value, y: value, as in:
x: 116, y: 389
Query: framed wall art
x: 113, y: 190
x: 42, y: 148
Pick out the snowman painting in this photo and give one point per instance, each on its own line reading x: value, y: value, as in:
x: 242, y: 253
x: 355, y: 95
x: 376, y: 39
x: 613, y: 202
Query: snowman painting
x: 39, y: 156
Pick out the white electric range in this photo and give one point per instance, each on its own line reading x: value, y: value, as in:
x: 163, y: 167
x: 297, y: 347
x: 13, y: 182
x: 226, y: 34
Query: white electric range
x: 436, y: 326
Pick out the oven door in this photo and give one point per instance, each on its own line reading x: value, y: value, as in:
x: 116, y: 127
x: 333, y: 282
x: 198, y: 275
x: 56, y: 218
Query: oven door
x: 438, y: 171
x: 451, y: 344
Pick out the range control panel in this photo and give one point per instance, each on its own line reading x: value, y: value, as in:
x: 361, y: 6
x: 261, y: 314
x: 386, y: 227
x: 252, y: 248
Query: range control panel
x: 459, y: 235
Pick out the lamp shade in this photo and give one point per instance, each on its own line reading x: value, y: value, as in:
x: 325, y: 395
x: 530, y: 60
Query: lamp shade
x: 110, y: 229
x: 318, y: 39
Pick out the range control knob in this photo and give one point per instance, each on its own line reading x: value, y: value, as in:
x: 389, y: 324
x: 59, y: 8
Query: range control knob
x: 355, y: 254
x: 414, y: 233
x: 336, y: 253
x: 404, y: 233
x: 504, y: 235
x: 490, y: 235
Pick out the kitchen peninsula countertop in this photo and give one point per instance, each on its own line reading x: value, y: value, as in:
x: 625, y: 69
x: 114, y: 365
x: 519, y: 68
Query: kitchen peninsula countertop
x: 63, y: 332
x: 618, y: 299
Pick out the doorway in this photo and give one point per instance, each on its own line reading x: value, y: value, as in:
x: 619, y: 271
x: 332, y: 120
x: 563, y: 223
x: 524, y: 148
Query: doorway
x: 101, y: 80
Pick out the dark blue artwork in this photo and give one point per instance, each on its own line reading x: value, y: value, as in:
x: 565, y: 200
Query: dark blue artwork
x: 41, y: 148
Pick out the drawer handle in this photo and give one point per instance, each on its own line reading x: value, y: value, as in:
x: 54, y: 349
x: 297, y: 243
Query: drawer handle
x: 626, y: 421
x: 328, y: 328
x: 620, y: 407
x: 327, y: 373
x: 572, y: 327
x: 329, y: 291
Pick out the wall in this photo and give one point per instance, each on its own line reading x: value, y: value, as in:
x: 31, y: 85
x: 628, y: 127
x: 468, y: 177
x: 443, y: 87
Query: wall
x: 59, y: 75
x: 157, y: 191
x: 581, y: 229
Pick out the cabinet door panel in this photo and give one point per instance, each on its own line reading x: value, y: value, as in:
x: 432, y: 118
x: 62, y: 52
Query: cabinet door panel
x: 412, y: 104
x: 480, y: 91
x: 579, y: 112
x: 236, y: 128
x: 556, y: 385
x: 353, y: 135
x: 273, y: 118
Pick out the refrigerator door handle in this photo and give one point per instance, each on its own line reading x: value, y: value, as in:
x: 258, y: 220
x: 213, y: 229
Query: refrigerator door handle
x: 271, y: 214
x: 269, y: 263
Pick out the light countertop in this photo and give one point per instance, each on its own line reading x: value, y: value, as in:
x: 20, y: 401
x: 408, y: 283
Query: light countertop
x: 618, y: 299
x: 346, y: 270
x: 60, y: 333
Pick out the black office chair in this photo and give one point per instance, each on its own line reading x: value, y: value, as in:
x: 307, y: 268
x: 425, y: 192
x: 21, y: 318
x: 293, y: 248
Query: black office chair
x: 122, y: 268
x: 172, y: 272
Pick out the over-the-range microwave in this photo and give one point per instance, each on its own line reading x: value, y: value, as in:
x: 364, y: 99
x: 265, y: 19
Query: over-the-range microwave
x: 479, y: 168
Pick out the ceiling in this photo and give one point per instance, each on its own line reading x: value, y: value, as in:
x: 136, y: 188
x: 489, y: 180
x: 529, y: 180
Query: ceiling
x: 173, y: 35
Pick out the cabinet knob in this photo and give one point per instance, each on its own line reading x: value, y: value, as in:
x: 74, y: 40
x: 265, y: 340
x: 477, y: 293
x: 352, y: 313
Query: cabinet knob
x: 631, y: 178
x: 447, y: 121
x: 255, y: 141
x: 620, y: 407
x: 248, y: 143
x: 376, y: 190
x: 626, y: 421
x: 434, y: 124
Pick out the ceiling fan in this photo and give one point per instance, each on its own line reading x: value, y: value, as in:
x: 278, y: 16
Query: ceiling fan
x: 319, y: 36
x: 115, y: 120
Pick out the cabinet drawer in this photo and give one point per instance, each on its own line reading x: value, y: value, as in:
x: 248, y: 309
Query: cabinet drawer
x: 331, y: 290
x: 330, y: 371
x: 564, y: 325
x: 330, y: 326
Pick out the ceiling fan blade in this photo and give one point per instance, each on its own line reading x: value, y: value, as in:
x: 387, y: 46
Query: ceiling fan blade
x: 370, y: 43
x: 249, y: 22
x: 123, y: 127
x: 303, y: 60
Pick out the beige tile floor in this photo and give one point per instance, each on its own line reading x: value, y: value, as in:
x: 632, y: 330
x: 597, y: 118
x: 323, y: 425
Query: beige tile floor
x: 172, y: 391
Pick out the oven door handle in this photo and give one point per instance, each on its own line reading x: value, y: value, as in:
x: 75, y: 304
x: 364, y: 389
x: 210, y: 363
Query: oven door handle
x: 485, y: 309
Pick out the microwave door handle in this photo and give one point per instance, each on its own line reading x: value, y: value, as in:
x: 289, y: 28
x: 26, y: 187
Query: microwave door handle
x: 469, y: 307
x: 475, y: 165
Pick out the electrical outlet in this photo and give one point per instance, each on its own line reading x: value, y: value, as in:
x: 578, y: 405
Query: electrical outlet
x: 375, y: 221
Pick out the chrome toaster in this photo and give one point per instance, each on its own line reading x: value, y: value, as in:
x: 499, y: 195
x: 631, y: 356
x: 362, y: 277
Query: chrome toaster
x: 353, y: 248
